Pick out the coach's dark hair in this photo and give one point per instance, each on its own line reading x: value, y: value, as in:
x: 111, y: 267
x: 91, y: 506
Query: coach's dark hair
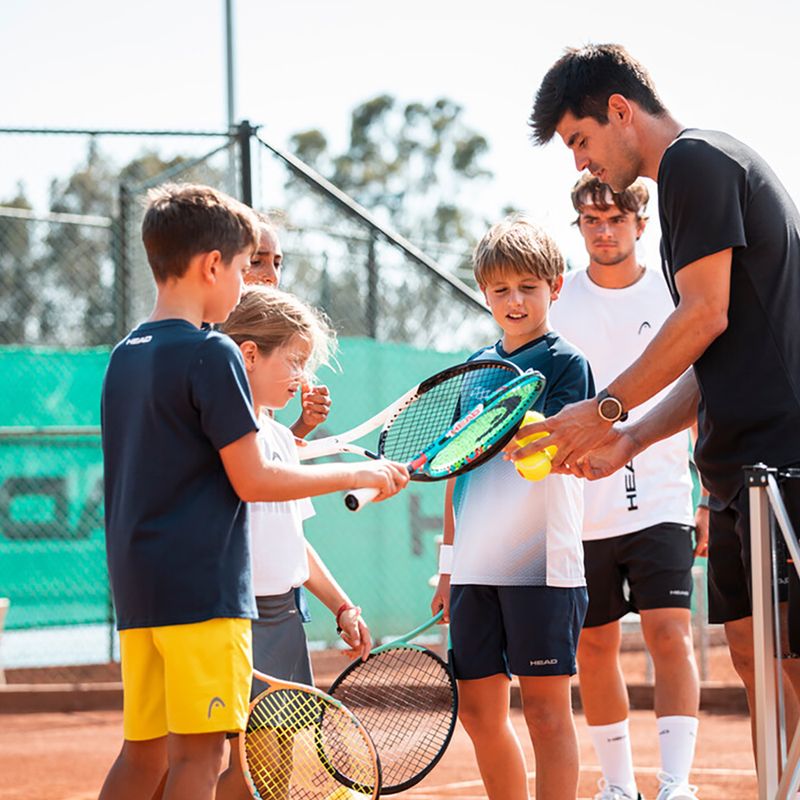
x: 582, y: 80
x: 184, y: 220
x: 590, y: 191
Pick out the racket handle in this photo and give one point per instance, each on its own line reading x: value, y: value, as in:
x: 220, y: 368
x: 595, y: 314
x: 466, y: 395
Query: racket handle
x: 358, y: 498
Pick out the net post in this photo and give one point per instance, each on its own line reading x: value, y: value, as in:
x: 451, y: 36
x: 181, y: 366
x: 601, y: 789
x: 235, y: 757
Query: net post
x: 765, y: 650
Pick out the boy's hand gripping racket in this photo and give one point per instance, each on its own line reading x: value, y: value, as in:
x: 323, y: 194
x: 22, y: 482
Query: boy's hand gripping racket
x: 302, y: 744
x: 448, y: 424
x: 405, y: 696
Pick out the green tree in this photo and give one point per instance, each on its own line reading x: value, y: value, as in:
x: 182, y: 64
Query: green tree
x: 17, y: 280
x: 407, y: 164
x: 413, y: 166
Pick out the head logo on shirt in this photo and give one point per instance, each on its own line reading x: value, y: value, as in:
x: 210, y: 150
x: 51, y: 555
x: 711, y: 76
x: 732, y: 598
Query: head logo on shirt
x: 644, y: 325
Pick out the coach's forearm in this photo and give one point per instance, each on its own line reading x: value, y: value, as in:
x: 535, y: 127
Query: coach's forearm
x: 682, y: 339
x: 676, y: 412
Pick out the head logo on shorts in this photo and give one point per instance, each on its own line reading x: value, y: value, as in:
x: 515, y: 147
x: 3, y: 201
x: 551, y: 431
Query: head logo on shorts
x: 215, y: 701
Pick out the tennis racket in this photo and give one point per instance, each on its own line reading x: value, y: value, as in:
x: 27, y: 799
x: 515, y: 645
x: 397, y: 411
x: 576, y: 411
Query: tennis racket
x: 479, y: 432
x: 302, y: 744
x: 439, y: 398
x: 405, y: 696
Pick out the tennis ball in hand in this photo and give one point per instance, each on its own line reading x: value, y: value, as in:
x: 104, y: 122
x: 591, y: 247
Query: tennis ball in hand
x: 537, y: 465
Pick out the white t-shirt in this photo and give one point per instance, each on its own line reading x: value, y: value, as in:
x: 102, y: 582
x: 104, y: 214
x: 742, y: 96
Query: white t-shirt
x: 514, y: 532
x: 613, y: 327
x: 277, y: 544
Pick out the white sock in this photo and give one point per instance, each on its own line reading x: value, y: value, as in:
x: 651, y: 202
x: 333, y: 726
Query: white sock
x: 612, y: 743
x: 676, y: 740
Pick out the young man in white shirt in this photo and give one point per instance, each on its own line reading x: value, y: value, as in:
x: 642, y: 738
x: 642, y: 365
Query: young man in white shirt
x: 637, y: 533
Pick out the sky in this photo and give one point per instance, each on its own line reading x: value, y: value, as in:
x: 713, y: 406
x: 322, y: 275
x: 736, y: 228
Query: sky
x: 304, y: 64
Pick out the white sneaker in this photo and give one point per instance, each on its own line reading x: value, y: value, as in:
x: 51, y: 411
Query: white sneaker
x: 610, y: 792
x: 674, y: 789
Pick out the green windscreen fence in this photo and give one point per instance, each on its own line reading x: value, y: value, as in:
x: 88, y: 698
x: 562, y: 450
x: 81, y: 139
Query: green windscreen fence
x: 52, y: 553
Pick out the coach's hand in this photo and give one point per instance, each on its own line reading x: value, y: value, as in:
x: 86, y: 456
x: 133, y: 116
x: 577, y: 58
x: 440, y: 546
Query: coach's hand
x: 388, y: 477
x: 575, y: 430
x: 614, y: 452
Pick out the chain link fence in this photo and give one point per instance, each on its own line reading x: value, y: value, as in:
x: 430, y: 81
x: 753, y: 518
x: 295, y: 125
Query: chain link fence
x: 74, y: 280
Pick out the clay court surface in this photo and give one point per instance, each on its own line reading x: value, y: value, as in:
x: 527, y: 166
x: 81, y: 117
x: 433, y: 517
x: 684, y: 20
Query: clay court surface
x: 65, y: 757
x: 50, y: 756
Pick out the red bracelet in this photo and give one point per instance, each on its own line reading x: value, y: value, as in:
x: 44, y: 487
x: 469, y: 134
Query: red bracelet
x: 342, y: 608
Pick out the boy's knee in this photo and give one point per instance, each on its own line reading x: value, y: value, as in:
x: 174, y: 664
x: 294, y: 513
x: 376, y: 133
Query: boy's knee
x: 148, y: 758
x: 480, y: 720
x: 545, y: 721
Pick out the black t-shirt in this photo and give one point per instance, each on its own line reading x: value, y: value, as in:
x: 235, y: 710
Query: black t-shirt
x: 176, y: 531
x: 716, y: 193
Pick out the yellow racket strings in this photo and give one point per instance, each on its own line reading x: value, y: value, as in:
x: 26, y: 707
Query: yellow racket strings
x: 301, y: 746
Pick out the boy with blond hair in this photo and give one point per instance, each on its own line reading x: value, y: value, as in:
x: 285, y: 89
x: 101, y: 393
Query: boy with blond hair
x: 181, y: 463
x: 511, y: 576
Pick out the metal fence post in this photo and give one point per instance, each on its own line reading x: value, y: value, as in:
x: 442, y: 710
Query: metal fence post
x: 372, y: 290
x: 244, y: 133
x: 122, y: 277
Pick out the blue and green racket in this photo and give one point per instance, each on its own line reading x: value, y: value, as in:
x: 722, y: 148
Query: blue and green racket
x: 454, y: 428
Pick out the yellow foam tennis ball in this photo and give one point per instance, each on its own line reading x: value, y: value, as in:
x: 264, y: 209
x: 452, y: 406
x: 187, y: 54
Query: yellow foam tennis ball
x: 537, y: 465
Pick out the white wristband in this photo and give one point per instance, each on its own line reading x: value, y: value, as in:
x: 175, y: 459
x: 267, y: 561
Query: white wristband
x: 445, y: 559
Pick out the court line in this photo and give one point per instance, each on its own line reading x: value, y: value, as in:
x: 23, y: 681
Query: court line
x: 424, y: 792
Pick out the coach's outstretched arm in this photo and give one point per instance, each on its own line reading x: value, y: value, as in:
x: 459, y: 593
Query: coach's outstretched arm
x: 700, y: 317
x: 676, y: 412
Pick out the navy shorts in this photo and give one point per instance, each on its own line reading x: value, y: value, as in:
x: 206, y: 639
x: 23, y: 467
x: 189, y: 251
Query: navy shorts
x: 515, y: 630
x: 651, y: 568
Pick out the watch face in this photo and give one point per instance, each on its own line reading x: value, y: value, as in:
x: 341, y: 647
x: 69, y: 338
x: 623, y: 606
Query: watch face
x: 610, y: 409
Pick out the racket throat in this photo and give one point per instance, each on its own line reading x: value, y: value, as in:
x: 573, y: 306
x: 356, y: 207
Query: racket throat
x: 418, y: 462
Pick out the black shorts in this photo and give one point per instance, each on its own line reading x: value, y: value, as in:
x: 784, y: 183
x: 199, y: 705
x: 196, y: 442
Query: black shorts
x: 729, y: 564
x: 651, y: 568
x: 515, y: 630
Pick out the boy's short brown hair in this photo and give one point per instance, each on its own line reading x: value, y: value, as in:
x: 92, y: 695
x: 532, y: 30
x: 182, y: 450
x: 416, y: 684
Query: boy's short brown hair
x: 520, y: 246
x: 589, y: 191
x: 183, y: 220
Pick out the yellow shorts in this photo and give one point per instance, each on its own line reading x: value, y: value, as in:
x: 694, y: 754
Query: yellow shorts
x: 186, y: 678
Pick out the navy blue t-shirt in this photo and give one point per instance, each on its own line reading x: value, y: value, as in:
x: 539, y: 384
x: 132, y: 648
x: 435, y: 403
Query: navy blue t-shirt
x: 568, y: 377
x: 176, y: 531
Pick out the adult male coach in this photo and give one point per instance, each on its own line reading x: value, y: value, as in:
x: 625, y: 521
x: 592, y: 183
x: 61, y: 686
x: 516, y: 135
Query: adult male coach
x: 637, y: 531
x: 731, y: 257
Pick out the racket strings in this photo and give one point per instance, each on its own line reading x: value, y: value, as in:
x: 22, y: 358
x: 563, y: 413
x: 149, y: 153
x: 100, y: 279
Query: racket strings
x: 486, y: 432
x: 432, y: 413
x: 301, y: 746
x: 406, y: 699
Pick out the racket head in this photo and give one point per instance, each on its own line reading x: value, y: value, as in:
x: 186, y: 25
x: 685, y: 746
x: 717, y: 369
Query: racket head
x: 449, y: 380
x: 475, y: 439
x: 439, y: 402
x: 406, y: 697
x: 302, y: 744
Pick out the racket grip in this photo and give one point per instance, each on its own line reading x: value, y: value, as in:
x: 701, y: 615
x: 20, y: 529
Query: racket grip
x: 358, y: 498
